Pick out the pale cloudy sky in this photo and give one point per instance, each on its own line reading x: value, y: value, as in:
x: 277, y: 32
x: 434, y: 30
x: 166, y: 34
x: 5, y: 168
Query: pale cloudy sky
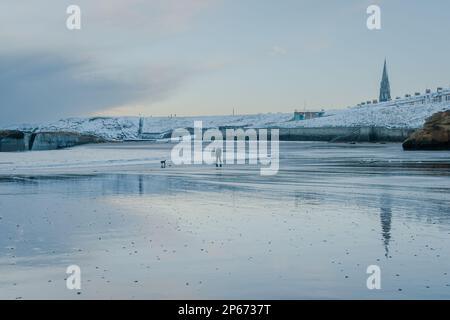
x: 192, y: 57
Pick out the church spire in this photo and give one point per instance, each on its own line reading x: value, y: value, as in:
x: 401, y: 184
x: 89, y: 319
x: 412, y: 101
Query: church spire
x: 385, y: 88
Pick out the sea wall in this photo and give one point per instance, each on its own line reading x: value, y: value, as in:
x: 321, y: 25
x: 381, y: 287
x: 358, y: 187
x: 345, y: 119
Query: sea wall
x: 345, y: 134
x: 11, y: 141
x: 331, y: 134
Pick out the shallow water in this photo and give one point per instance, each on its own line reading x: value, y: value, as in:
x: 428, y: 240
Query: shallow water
x: 138, y: 231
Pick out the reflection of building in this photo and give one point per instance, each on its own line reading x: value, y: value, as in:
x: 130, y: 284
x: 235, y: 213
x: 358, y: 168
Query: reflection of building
x: 386, y: 221
x: 305, y: 115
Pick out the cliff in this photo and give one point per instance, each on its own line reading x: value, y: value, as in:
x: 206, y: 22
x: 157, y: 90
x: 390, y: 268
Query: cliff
x: 15, y: 140
x: 12, y: 140
x: 60, y: 140
x: 435, y: 134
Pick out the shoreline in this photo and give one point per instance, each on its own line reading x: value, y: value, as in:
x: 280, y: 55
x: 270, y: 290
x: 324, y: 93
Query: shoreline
x: 145, y: 157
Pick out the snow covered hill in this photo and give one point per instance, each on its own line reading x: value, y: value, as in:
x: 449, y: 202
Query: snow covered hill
x: 380, y: 115
x: 390, y: 115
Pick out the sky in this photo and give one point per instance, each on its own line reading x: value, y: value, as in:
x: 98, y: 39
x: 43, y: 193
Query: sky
x: 208, y: 57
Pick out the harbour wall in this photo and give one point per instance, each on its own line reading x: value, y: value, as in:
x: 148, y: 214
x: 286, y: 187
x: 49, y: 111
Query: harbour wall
x: 346, y: 134
x: 329, y: 134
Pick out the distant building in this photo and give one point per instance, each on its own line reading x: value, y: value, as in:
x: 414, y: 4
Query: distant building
x: 306, y: 115
x: 441, y: 95
x: 385, y: 87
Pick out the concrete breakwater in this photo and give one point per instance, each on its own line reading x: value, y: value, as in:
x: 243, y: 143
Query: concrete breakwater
x: 330, y: 134
x: 13, y: 140
x: 346, y: 134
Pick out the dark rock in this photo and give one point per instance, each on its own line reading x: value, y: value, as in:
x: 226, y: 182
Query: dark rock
x: 12, y: 134
x: 12, y: 140
x: 435, y: 134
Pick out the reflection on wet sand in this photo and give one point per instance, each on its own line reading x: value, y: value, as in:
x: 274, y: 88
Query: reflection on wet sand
x: 386, y: 221
x: 198, y: 232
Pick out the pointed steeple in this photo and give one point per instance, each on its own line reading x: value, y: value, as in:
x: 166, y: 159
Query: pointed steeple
x: 385, y: 87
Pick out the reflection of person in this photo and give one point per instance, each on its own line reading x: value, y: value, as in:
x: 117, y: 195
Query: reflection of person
x: 218, y: 157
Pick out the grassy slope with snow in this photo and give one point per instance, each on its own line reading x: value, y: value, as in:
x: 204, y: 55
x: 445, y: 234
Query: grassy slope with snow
x: 381, y: 115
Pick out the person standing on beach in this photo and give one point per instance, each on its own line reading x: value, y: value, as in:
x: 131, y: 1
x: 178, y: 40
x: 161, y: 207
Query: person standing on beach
x: 218, y: 157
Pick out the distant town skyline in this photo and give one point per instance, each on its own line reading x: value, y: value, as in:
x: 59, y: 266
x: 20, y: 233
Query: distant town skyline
x: 210, y: 57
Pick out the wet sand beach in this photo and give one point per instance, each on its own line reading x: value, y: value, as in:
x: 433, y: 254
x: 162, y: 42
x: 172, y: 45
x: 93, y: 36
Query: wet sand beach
x: 199, y: 232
